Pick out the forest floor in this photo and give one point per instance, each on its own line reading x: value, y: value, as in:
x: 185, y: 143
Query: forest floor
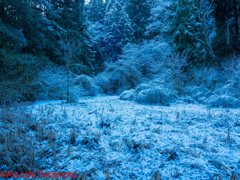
x: 107, y: 138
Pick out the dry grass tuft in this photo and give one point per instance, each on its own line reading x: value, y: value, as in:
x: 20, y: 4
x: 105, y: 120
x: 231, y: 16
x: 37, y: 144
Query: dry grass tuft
x: 234, y: 176
x: 156, y: 176
x: 228, y: 135
x: 17, y: 151
x: 107, y: 175
x: 73, y: 136
x: 175, y: 174
x: 21, y: 136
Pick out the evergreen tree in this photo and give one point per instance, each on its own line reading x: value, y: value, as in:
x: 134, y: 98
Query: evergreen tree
x: 25, y: 29
x: 186, y: 31
x: 30, y: 20
x: 72, y: 19
x: 95, y: 10
x: 95, y: 14
x: 139, y: 13
x: 158, y: 21
x: 117, y: 28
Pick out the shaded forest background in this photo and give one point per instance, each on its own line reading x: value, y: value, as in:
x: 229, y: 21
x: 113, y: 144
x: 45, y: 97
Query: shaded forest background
x: 48, y: 48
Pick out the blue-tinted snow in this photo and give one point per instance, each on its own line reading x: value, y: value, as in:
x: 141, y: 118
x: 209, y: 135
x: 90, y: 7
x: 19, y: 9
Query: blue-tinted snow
x: 133, y: 141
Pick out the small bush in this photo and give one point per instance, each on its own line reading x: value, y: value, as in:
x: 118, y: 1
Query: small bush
x: 74, y: 94
x: 128, y: 95
x: 222, y: 101
x: 216, y: 87
x: 8, y: 93
x: 87, y: 85
x: 142, y: 87
x: 153, y: 93
x: 175, y: 74
x: 159, y: 95
x: 118, y: 77
x: 198, y: 93
x: 54, y: 83
x: 17, y: 84
x: 232, y: 76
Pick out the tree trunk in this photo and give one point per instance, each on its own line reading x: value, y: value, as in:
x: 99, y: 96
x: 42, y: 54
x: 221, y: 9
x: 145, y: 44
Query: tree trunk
x: 227, y: 22
x: 2, y: 11
x: 205, y: 41
x: 236, y: 17
x: 68, y: 83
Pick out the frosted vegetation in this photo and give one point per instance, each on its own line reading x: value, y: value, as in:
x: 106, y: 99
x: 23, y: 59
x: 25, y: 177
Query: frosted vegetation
x: 172, y: 129
x: 107, y: 138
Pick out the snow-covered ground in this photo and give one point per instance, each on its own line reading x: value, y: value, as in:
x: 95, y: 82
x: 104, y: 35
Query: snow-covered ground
x: 106, y: 138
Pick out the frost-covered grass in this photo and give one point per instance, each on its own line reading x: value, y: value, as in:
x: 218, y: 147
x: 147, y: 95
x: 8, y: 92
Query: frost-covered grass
x: 107, y: 138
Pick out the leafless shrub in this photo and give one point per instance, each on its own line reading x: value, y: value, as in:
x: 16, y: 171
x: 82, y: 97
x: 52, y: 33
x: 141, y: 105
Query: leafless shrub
x: 176, y: 65
x: 232, y: 75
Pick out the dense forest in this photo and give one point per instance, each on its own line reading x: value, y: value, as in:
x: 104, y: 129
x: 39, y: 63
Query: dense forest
x: 45, y: 45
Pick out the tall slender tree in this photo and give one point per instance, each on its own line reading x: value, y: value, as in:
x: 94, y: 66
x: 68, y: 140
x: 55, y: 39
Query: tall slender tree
x: 95, y: 10
x: 72, y: 19
x: 185, y: 29
x: 226, y: 14
x: 139, y: 13
x: 117, y: 28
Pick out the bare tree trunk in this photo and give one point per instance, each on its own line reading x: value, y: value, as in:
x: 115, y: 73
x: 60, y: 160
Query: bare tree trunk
x: 227, y: 22
x: 2, y: 11
x: 236, y: 17
x: 68, y: 83
x: 205, y: 41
